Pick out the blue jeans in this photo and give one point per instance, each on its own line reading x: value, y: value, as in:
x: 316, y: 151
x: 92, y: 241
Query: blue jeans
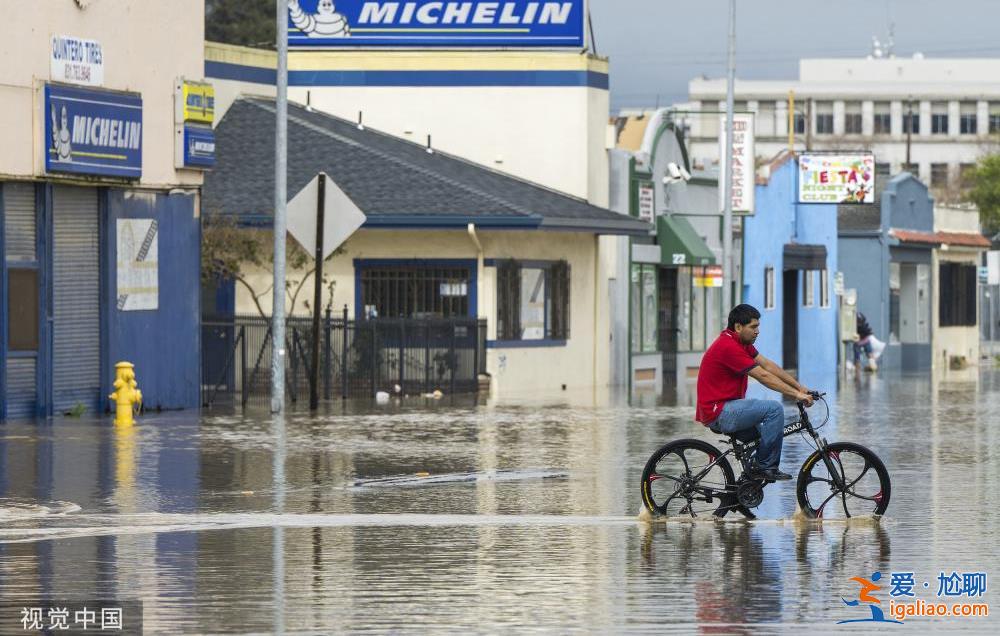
x: 767, y: 416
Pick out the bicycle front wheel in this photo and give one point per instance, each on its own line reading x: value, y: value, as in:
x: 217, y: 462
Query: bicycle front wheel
x: 861, y: 486
x: 680, y: 479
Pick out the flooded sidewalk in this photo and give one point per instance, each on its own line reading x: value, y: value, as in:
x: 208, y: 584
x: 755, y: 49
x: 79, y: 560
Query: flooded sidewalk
x: 428, y: 516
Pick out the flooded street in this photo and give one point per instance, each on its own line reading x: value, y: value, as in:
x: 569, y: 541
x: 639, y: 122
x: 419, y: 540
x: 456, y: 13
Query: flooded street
x: 427, y: 516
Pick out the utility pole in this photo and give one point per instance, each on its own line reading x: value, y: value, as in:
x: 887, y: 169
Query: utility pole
x: 727, y: 210
x: 280, y: 199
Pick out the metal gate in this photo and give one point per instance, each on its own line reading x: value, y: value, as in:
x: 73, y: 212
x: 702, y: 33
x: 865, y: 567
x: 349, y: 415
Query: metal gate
x: 76, y: 298
x: 19, y: 250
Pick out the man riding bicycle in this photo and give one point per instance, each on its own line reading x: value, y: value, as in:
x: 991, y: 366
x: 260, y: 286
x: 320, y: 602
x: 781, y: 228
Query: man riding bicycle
x: 722, y: 389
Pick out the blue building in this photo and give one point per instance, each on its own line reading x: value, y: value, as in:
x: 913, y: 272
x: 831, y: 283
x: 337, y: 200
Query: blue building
x: 790, y: 250
x: 887, y: 258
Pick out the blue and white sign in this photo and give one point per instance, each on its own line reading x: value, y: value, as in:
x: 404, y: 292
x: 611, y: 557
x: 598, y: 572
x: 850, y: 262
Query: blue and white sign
x: 90, y: 131
x: 199, y: 147
x: 426, y: 23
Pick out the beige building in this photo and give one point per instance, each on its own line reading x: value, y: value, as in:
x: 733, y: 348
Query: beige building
x: 955, y: 267
x: 444, y: 238
x: 99, y: 202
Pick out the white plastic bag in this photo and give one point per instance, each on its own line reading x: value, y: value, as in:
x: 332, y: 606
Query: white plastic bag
x: 877, y: 346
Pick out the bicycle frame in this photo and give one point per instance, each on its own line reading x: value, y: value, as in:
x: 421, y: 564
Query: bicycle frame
x: 743, y: 451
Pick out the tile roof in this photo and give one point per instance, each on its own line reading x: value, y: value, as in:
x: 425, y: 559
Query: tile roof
x: 396, y: 183
x: 965, y: 239
x: 863, y: 217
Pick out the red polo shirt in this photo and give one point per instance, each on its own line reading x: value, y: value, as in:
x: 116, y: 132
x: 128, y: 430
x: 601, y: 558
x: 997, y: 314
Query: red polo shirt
x: 723, y: 375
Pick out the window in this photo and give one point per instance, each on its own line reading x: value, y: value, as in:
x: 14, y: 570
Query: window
x: 994, y: 118
x: 882, y: 171
x: 939, y: 119
x: 22, y: 309
x: 415, y: 291
x: 808, y: 288
x: 911, y: 123
x: 683, y: 305
x: 824, y: 118
x: 966, y: 175
x: 645, y: 308
x: 939, y: 175
x: 800, y: 124
x: 824, y: 288
x: 912, y: 168
x: 769, y: 288
x: 957, y: 300
x: 698, y: 309
x: 967, y: 119
x: 532, y: 300
x: 882, y: 119
x: 852, y: 118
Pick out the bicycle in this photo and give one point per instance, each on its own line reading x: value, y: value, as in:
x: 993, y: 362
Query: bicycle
x: 691, y: 473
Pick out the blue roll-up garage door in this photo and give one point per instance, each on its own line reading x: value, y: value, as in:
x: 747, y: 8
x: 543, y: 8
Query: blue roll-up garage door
x: 75, y: 297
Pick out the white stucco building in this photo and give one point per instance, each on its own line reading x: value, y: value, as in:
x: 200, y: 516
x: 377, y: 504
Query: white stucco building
x: 847, y: 104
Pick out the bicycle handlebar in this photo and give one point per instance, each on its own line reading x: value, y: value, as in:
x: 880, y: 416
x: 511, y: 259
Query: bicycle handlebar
x: 816, y: 395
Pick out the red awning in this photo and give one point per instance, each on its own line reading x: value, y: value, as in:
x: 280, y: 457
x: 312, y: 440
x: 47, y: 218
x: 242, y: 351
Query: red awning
x: 965, y: 239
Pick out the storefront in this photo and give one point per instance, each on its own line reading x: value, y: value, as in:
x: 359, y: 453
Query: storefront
x: 99, y: 222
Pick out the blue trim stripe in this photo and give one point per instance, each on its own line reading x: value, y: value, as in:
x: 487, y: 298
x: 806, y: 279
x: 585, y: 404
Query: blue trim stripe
x: 257, y: 75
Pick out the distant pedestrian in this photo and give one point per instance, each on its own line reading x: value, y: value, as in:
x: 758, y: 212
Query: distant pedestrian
x: 863, y: 345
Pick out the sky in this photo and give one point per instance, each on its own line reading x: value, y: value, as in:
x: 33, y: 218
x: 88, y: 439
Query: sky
x: 657, y: 46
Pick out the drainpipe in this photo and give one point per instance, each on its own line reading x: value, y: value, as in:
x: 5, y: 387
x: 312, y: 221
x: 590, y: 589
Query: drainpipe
x: 479, y: 267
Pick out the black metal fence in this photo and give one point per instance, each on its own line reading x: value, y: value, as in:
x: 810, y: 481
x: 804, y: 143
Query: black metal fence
x: 357, y: 357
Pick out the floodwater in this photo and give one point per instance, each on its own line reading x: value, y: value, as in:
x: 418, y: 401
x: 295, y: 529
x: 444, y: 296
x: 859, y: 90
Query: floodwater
x: 426, y: 517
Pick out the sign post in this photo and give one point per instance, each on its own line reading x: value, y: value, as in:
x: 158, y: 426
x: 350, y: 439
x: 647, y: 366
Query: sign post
x: 318, y: 293
x: 321, y: 217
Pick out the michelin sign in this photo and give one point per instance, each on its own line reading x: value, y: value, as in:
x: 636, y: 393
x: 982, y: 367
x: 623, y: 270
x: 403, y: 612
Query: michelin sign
x: 424, y: 23
x: 92, y: 131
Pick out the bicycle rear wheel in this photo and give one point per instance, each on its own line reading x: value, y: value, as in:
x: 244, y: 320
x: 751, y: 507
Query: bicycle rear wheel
x: 680, y: 480
x: 866, y: 483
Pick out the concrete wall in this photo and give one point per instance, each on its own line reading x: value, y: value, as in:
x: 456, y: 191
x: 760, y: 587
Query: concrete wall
x: 555, y: 135
x: 779, y: 220
x: 951, y: 341
x: 910, y: 205
x: 864, y: 261
x: 146, y: 46
x: 582, y: 362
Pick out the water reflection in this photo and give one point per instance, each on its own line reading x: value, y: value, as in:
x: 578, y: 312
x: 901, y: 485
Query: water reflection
x: 526, y: 519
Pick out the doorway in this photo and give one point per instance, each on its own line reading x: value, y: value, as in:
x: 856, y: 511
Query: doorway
x: 790, y: 319
x: 667, y: 310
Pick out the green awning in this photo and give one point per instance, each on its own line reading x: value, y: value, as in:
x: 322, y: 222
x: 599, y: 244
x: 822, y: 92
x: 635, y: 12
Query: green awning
x: 680, y: 244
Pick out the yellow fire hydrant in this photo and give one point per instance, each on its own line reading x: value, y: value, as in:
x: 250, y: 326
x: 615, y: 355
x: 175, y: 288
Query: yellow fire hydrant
x: 127, y: 396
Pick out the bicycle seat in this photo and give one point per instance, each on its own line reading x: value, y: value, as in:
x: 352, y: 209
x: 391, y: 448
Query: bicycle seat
x: 744, y: 436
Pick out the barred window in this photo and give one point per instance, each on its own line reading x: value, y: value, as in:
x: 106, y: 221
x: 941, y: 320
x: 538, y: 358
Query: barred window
x: 532, y: 300
x: 957, y: 288
x: 415, y: 291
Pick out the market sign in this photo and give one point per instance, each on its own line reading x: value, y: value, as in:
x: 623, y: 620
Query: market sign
x: 194, y: 113
x: 92, y: 131
x: 710, y: 276
x: 199, y: 147
x: 195, y: 102
x: 837, y: 178
x: 76, y: 61
x: 646, y: 201
x: 423, y: 23
x: 743, y: 163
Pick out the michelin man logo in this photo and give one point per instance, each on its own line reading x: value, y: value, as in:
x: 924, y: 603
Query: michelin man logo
x: 325, y: 23
x: 61, y: 136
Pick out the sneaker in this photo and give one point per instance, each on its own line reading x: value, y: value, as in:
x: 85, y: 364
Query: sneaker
x: 767, y: 474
